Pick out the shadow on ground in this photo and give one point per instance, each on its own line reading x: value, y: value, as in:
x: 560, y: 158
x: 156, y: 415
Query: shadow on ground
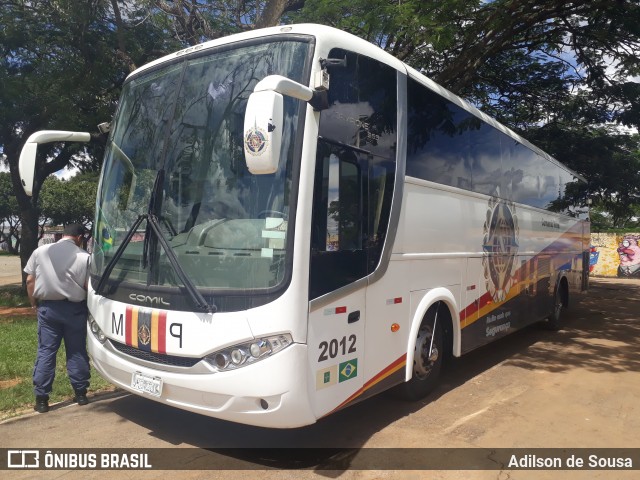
x: 600, y: 335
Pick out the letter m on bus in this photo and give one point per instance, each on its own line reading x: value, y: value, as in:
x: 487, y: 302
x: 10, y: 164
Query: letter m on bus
x: 117, y: 327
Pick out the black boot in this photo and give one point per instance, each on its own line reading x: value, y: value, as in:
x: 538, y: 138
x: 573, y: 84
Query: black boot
x: 42, y: 404
x: 81, y: 397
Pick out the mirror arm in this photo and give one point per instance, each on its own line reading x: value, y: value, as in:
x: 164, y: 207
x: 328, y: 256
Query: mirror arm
x: 318, y: 99
x: 48, y: 136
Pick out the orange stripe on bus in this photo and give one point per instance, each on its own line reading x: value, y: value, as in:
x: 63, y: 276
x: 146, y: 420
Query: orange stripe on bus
x: 388, y: 370
x: 134, y: 327
x: 154, y: 331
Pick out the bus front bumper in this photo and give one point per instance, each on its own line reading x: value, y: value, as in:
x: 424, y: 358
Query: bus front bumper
x: 268, y: 393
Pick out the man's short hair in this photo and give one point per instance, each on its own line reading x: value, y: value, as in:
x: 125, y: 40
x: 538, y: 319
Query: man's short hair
x: 74, y: 230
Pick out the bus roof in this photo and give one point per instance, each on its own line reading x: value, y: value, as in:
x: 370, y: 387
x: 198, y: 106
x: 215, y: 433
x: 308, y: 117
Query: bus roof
x: 361, y: 46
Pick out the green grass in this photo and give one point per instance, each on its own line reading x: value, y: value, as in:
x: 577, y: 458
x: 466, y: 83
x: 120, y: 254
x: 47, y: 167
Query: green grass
x: 18, y: 346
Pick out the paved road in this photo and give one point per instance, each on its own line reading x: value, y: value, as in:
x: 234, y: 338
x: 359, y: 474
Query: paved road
x: 10, y: 272
x: 535, y: 389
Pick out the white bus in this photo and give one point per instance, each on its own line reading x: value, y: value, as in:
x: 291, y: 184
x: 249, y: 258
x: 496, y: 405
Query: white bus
x: 291, y: 220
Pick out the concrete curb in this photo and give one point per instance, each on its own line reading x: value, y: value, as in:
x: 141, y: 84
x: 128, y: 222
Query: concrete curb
x: 93, y: 398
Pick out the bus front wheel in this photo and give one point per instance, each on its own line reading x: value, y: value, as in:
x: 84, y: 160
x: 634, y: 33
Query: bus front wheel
x: 427, y: 359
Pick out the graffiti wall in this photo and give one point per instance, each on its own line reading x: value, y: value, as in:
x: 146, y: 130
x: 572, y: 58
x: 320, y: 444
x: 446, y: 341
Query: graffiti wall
x: 615, y: 255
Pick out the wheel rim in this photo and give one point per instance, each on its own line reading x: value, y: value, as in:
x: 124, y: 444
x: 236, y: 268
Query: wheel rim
x: 422, y: 362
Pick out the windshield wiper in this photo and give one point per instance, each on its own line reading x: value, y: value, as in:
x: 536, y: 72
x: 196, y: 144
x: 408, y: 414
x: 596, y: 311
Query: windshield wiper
x: 150, y: 253
x: 152, y: 224
x: 116, y: 256
x: 197, y: 298
x: 154, y: 201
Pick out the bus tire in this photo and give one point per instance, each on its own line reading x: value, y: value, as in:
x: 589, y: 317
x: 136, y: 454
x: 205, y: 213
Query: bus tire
x: 554, y: 321
x: 426, y: 371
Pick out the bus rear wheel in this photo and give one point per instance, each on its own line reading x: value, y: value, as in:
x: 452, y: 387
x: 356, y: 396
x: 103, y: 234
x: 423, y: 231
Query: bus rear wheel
x: 427, y: 359
x: 554, y: 321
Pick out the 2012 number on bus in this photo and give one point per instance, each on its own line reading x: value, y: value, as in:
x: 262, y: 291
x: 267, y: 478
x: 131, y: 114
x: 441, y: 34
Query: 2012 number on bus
x: 334, y: 347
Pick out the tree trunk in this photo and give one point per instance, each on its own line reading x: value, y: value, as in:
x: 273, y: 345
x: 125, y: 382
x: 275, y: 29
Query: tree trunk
x: 28, y: 238
x: 26, y: 206
x: 274, y: 9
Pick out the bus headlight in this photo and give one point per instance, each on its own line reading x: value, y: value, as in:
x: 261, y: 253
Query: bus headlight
x: 96, y: 330
x: 243, y: 354
x: 238, y: 356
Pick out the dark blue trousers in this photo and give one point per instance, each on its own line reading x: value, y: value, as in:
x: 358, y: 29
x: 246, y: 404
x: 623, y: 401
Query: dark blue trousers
x: 57, y: 321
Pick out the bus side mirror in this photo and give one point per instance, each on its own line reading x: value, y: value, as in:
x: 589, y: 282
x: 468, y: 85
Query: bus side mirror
x: 263, y: 125
x: 27, y: 161
x: 263, y: 120
x: 27, y: 166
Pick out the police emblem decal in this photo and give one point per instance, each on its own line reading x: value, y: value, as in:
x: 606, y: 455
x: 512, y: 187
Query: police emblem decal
x: 255, y: 141
x: 144, y: 334
x: 500, y: 248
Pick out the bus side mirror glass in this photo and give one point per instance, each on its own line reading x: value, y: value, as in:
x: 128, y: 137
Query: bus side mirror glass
x: 263, y: 125
x: 27, y: 160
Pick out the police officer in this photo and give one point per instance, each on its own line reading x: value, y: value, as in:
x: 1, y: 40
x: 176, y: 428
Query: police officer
x: 57, y: 276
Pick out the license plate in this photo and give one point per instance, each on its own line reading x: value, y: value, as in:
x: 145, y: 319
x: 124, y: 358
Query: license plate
x: 147, y: 384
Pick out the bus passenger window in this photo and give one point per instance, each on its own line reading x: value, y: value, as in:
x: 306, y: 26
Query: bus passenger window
x: 338, y: 256
x: 333, y: 202
x: 341, y: 202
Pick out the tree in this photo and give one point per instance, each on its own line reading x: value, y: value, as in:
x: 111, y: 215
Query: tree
x: 560, y: 73
x: 192, y: 22
x: 53, y: 76
x: 475, y: 48
x: 69, y: 201
x: 10, y: 231
x: 549, y: 69
x: 609, y: 160
x: 62, y: 67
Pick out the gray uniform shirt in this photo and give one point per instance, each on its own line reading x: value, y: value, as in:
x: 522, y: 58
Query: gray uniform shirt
x: 61, y: 271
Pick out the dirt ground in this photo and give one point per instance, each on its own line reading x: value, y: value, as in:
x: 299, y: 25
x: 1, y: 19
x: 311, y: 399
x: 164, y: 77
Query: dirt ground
x: 578, y: 388
x: 10, y: 270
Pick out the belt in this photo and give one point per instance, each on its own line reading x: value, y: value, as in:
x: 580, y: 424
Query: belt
x: 64, y: 300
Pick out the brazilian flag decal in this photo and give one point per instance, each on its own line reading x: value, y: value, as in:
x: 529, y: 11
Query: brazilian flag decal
x: 104, y: 233
x: 105, y: 236
x: 348, y: 370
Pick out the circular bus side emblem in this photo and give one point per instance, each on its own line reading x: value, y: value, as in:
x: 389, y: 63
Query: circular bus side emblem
x: 255, y: 141
x: 500, y: 248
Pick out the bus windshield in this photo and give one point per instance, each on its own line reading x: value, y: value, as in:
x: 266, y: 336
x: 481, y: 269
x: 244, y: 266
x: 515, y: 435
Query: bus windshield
x: 176, y: 152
